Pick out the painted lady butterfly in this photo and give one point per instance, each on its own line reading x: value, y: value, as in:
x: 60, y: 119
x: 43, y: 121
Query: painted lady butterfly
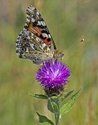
x: 34, y: 41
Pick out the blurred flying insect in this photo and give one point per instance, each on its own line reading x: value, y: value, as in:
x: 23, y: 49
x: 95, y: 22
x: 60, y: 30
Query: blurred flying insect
x: 35, y: 41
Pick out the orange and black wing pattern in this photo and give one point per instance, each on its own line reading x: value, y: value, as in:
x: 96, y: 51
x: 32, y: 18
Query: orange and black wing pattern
x: 35, y: 38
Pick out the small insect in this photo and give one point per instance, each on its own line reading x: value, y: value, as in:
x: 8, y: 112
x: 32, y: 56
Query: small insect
x: 35, y: 41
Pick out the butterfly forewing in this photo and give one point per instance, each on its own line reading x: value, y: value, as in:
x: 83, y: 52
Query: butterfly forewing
x: 37, y: 25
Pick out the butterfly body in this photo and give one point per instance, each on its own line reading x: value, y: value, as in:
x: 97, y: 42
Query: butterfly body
x: 35, y: 41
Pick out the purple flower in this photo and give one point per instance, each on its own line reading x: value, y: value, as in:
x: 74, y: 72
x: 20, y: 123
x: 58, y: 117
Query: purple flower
x: 53, y: 75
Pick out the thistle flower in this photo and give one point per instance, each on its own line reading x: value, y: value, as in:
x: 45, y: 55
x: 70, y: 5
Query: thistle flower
x: 53, y: 75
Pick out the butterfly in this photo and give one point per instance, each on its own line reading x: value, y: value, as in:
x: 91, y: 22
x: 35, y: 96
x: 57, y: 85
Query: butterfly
x: 35, y: 41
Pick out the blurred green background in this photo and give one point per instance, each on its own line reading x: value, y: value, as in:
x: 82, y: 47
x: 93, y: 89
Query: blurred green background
x: 74, y: 27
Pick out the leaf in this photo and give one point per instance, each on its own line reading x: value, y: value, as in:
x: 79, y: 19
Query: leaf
x: 68, y: 94
x: 67, y: 106
x: 53, y: 105
x: 44, y: 119
x: 40, y: 96
x: 66, y: 97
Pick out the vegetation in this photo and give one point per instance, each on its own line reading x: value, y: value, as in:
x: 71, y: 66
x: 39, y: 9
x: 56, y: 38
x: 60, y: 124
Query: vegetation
x: 74, y: 27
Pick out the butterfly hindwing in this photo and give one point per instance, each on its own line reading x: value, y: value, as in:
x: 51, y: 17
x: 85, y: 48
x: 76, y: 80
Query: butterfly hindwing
x: 28, y: 47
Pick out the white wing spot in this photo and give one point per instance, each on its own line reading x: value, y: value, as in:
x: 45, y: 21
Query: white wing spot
x: 39, y: 22
x: 44, y: 35
x: 32, y: 46
x: 49, y: 36
x: 37, y: 13
x: 33, y: 20
x: 43, y: 45
x: 43, y: 23
x: 27, y: 20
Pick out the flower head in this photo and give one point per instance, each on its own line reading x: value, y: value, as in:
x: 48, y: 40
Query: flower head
x: 53, y: 75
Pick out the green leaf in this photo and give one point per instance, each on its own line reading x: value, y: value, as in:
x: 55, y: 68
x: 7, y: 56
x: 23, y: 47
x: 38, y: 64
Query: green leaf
x: 66, y: 97
x: 66, y: 106
x: 68, y: 93
x: 44, y: 119
x: 39, y: 96
x: 53, y: 105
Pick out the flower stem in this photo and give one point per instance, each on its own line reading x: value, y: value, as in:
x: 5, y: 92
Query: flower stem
x: 57, y: 112
x: 54, y: 106
x: 56, y: 119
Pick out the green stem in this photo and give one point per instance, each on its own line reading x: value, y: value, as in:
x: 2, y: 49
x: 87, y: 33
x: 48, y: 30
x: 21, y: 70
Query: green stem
x: 54, y: 107
x: 57, y: 113
x: 56, y: 119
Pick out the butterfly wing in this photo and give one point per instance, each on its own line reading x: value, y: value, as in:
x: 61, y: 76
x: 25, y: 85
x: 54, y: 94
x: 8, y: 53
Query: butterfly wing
x: 35, y: 40
x: 36, y: 24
